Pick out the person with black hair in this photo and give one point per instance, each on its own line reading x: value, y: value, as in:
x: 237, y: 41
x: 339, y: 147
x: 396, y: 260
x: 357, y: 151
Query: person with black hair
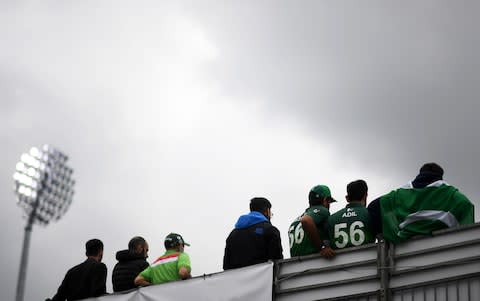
x: 351, y: 226
x: 87, y: 279
x: 130, y: 263
x: 422, y: 206
x: 254, y: 239
x: 308, y: 234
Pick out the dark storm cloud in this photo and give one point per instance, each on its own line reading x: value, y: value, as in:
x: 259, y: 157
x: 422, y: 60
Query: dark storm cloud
x: 395, y: 83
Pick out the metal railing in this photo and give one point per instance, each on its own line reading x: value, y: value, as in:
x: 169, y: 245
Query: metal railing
x: 445, y: 266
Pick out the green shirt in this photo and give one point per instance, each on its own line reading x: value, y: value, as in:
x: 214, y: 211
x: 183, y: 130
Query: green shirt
x: 166, y: 267
x: 350, y: 227
x: 300, y: 244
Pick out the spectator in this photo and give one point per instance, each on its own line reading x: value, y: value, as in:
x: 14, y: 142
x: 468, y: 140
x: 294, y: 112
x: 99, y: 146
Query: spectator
x: 254, y: 239
x: 171, y: 266
x: 350, y: 226
x: 426, y: 204
x: 130, y: 263
x: 87, y: 279
x: 308, y: 234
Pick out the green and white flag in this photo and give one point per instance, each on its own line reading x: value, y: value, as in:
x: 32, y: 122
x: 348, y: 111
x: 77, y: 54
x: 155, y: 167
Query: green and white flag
x: 410, y: 211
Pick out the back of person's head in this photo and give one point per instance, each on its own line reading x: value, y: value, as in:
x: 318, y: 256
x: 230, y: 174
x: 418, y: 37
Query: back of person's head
x: 260, y: 204
x: 356, y: 190
x: 93, y: 247
x: 136, y: 243
x: 318, y: 193
x: 174, y: 240
x: 432, y: 168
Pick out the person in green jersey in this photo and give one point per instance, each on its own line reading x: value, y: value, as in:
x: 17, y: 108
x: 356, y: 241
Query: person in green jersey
x: 350, y: 226
x: 171, y: 266
x: 308, y: 232
x: 422, y: 206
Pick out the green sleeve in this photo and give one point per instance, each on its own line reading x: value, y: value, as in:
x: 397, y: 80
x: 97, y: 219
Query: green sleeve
x: 147, y: 274
x: 184, y: 261
x: 465, y: 209
x: 320, y: 218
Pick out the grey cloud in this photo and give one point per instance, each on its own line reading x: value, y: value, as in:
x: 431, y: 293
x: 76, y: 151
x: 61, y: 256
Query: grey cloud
x: 403, y: 77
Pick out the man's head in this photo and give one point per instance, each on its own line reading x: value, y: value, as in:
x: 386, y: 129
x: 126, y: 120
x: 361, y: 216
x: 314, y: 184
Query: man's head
x: 94, y: 249
x: 432, y: 169
x: 261, y: 205
x: 320, y: 195
x: 357, y: 192
x: 175, y: 241
x: 138, y: 245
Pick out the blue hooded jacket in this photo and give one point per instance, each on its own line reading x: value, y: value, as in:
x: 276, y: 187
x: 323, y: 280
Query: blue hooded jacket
x: 254, y: 240
x: 250, y: 219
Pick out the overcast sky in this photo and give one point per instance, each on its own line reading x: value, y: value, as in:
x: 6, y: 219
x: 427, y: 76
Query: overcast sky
x: 174, y: 114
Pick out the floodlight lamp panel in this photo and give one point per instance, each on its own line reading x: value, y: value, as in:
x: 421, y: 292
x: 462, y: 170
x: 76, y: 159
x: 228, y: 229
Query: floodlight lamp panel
x: 43, y: 183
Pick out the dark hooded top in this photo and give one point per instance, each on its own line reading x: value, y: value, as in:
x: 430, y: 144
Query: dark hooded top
x: 128, y: 267
x: 254, y: 240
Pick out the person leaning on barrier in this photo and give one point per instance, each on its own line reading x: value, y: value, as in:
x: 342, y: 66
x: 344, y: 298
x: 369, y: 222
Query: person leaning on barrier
x: 308, y: 234
x: 422, y: 206
x: 254, y: 239
x: 171, y: 266
x: 87, y: 279
x: 130, y: 263
x: 350, y: 226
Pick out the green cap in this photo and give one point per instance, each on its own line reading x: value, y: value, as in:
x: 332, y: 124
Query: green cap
x: 173, y: 240
x: 322, y: 191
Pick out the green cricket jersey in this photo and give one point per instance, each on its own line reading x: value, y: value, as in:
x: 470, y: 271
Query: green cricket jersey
x: 300, y: 244
x: 350, y: 227
x: 166, y: 267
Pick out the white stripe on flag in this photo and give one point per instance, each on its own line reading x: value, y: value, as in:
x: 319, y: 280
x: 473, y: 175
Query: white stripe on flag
x: 445, y: 217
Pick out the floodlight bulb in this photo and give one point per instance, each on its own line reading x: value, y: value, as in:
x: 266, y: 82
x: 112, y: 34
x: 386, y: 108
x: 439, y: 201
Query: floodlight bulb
x: 20, y: 166
x: 25, y: 158
x: 35, y: 152
x: 24, y: 179
x: 35, y: 163
x: 28, y: 191
x: 31, y: 172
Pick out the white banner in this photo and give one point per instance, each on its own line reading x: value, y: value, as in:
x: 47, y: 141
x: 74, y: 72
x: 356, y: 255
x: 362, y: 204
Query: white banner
x: 249, y: 283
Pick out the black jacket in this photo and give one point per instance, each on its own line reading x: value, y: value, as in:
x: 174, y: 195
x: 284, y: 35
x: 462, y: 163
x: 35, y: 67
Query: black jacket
x: 128, y: 267
x: 254, y: 240
x: 85, y: 280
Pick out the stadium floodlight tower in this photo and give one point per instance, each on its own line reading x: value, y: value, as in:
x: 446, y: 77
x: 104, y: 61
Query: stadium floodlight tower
x: 44, y: 189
